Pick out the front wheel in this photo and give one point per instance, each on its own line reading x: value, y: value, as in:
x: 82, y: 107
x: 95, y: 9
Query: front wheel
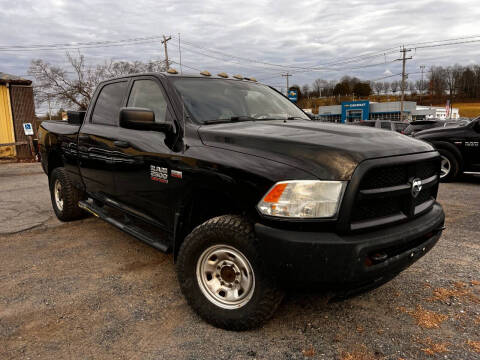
x: 222, y: 276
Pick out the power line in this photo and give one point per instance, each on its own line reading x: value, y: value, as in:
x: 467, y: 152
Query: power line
x: 187, y: 66
x: 445, y: 40
x: 334, y: 69
x: 386, y: 77
x: 77, y: 45
x: 310, y: 68
x: 447, y: 44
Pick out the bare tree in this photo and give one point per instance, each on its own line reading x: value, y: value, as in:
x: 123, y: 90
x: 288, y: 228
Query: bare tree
x: 412, y: 87
x: 394, y: 86
x: 318, y: 86
x: 306, y: 91
x: 378, y: 86
x: 437, y: 81
x: 421, y: 85
x: 74, y: 86
x: 452, y: 79
x: 386, y: 87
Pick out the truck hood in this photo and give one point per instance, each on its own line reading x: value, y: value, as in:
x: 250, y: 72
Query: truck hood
x: 328, y: 151
x: 440, y: 132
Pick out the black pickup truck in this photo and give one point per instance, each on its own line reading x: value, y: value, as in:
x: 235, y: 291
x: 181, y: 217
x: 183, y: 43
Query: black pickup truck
x: 459, y: 148
x: 247, y: 192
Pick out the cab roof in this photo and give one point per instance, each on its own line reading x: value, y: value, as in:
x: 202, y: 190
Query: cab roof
x: 188, y: 75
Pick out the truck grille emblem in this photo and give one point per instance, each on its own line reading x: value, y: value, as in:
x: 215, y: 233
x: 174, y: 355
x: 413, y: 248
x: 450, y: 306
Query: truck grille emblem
x: 416, y: 187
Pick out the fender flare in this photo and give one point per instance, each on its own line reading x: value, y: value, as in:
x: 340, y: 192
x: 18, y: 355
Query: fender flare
x: 184, y: 212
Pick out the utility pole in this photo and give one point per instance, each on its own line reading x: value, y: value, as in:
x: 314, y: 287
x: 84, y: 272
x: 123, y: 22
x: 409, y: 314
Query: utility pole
x: 422, y: 68
x: 404, y: 76
x: 287, y: 75
x: 180, y: 54
x: 164, y: 42
x: 49, y: 108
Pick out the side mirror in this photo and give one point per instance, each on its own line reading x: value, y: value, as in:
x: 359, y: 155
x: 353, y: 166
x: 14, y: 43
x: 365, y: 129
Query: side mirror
x: 75, y: 117
x: 476, y: 126
x: 141, y: 119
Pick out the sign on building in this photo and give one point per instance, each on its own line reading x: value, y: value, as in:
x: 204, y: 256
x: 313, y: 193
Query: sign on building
x: 28, y: 128
x: 292, y: 95
x: 355, y: 111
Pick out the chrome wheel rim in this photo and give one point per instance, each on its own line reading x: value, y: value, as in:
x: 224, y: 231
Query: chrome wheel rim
x: 445, y: 167
x: 57, y: 191
x: 225, y: 277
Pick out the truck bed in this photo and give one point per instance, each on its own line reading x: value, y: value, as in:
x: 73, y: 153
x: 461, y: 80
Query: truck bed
x: 60, y: 127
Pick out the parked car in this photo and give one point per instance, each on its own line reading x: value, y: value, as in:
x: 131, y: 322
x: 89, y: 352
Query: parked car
x: 459, y: 148
x: 252, y: 195
x: 419, y: 125
x: 456, y: 123
x: 398, y: 126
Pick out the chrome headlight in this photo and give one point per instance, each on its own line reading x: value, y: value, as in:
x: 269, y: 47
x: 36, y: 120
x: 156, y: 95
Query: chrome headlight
x: 303, y: 199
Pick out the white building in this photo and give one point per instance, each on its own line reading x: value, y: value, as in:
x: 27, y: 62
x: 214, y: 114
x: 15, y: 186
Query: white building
x: 361, y: 110
x: 429, y: 112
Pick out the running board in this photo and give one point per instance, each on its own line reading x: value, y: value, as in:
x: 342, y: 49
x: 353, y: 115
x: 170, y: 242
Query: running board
x: 135, y: 231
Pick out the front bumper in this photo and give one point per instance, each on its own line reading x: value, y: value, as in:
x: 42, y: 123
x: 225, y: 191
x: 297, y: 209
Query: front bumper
x: 357, y: 259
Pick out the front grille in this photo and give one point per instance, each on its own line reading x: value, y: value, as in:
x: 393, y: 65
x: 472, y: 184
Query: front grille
x: 424, y: 196
x: 384, y: 177
x: 376, y: 208
x: 385, y: 193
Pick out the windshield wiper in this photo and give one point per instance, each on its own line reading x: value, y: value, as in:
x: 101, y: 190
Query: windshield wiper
x: 236, y: 118
x: 230, y: 119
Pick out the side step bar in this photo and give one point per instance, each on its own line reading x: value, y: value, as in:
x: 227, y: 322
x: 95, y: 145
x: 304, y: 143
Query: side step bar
x: 129, y: 229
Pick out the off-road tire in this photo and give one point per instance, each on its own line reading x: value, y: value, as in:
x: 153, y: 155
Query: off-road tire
x: 454, y: 165
x: 71, y: 195
x: 236, y: 232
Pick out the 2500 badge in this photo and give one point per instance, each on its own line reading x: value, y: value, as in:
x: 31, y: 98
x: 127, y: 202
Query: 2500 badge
x: 158, y: 173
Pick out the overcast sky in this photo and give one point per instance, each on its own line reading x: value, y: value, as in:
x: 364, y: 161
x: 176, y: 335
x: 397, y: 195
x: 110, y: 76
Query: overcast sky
x: 295, y: 33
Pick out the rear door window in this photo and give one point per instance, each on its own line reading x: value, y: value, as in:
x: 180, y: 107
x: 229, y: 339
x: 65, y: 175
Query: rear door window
x: 108, y: 103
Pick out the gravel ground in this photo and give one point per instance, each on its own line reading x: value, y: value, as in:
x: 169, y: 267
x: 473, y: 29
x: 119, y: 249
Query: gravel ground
x: 86, y: 290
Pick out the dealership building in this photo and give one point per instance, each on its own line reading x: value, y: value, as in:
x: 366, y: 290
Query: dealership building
x: 350, y: 111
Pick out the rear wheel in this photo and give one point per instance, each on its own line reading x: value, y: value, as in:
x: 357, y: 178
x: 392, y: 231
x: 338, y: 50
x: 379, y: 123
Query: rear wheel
x: 64, y: 196
x: 449, y: 165
x: 222, y: 276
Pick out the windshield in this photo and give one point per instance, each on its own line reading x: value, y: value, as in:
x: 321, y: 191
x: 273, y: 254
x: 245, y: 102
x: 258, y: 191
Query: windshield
x: 217, y: 100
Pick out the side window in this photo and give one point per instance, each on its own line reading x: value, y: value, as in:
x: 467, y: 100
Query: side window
x: 147, y: 94
x: 385, y: 125
x: 108, y: 103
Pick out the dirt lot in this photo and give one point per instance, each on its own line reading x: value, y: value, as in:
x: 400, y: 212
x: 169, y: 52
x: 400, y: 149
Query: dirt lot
x: 86, y: 290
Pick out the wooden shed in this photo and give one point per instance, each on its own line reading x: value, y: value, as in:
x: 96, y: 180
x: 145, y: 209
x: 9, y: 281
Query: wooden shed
x: 16, y: 108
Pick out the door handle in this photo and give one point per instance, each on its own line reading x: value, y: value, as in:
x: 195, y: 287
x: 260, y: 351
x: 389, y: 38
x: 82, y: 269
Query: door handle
x: 121, y: 143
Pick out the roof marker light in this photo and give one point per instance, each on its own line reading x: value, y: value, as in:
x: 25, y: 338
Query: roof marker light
x: 205, y: 73
x: 172, y: 71
x: 238, y: 76
x: 223, y: 75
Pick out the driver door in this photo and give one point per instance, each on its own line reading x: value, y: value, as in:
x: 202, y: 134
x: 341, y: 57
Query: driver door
x: 142, y: 179
x: 472, y: 146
